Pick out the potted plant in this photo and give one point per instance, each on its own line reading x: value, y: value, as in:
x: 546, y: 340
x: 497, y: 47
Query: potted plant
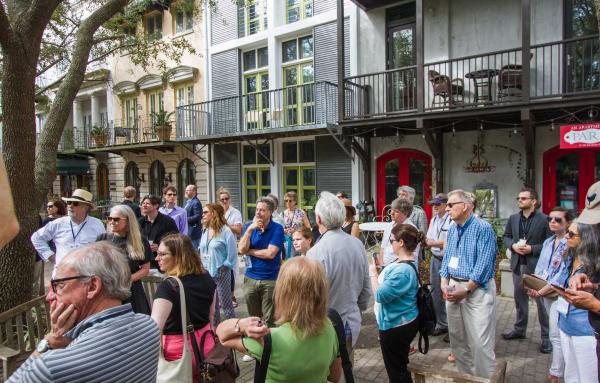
x: 162, y: 124
x: 100, y: 135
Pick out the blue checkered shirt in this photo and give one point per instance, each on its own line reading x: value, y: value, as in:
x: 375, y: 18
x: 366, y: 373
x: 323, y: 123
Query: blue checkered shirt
x: 474, y: 244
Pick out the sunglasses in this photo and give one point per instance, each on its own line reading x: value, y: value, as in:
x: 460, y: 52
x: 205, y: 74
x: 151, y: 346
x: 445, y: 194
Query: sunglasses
x: 289, y: 200
x: 224, y: 199
x: 451, y: 204
x: 523, y: 198
x: 171, y: 194
x: 114, y: 219
x: 571, y: 234
x: 49, y: 206
x: 73, y: 203
x: 556, y: 219
x: 392, y: 240
x: 55, y: 283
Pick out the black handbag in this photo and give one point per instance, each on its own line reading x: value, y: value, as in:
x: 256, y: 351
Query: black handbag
x: 219, y: 365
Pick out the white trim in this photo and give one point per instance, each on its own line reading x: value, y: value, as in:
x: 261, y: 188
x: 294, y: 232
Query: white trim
x: 149, y: 81
x: 181, y: 73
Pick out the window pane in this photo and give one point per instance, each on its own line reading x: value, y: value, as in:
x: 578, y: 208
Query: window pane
x: 310, y: 198
x: 567, y: 182
x: 308, y: 74
x: 250, y: 212
x: 308, y: 9
x: 263, y: 57
x: 291, y: 177
x: 416, y: 175
x: 293, y: 3
x: 179, y: 22
x: 251, y: 196
x: 293, y: 15
x: 264, y: 82
x: 266, y: 153
x: 265, y: 179
x: 249, y: 155
x: 291, y: 76
x: 290, y: 51
x: 251, y: 84
x: 290, y: 152
x: 307, y: 151
x: 189, y: 21
x: 249, y: 60
x: 391, y: 181
x: 308, y: 176
x: 251, y: 180
x: 306, y: 47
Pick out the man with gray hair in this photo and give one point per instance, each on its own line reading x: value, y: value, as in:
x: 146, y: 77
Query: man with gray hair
x: 469, y: 288
x: 345, y: 261
x: 400, y: 212
x: 418, y: 216
x: 261, y: 244
x: 94, y: 337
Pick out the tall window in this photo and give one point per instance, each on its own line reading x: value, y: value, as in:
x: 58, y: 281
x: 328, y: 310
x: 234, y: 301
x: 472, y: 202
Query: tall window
x: 253, y: 17
x: 256, y: 86
x: 155, y: 103
x: 297, y: 10
x: 184, y: 19
x: 184, y: 95
x: 132, y: 177
x: 102, y: 186
x: 298, y: 81
x: 582, y: 56
x: 186, y: 175
x: 299, y: 173
x: 157, y: 178
x: 130, y: 112
x: 257, y: 175
x: 154, y: 26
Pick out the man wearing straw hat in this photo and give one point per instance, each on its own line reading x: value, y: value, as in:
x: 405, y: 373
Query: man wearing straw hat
x: 69, y: 232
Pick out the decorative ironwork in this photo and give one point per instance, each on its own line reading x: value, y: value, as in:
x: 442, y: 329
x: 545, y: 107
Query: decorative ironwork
x: 478, y: 163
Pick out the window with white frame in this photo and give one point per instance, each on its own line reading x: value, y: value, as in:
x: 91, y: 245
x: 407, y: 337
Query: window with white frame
x: 256, y: 86
x: 184, y: 95
x: 298, y: 81
x: 130, y: 112
x: 154, y: 26
x: 184, y: 18
x: 253, y: 15
x: 296, y: 10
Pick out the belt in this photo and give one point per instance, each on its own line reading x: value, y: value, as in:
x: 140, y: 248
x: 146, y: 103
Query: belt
x: 459, y: 279
x: 438, y: 257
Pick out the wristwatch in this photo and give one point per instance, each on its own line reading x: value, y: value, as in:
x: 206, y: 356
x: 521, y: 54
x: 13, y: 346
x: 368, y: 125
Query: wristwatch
x: 468, y: 290
x: 237, y: 327
x: 43, y: 346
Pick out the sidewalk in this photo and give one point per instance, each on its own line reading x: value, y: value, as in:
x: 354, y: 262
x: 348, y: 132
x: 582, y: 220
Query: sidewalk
x: 525, y: 362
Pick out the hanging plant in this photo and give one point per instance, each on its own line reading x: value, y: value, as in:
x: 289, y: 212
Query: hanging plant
x: 519, y: 165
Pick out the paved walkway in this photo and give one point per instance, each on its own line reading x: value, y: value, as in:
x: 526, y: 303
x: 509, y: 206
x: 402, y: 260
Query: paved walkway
x: 525, y: 363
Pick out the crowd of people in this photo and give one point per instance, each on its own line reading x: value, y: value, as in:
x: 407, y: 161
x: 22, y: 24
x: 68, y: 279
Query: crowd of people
x: 295, y: 272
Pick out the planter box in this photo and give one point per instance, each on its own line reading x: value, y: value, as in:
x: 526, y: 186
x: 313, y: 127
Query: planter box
x: 100, y: 139
x: 429, y: 374
x: 506, y: 277
x: 164, y: 132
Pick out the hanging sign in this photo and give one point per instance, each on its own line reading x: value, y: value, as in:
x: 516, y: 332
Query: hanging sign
x: 580, y: 136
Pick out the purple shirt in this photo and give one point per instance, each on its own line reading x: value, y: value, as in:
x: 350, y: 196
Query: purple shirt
x: 179, y: 215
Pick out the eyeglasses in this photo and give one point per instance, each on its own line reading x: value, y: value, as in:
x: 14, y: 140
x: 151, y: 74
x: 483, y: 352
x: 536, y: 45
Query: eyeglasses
x: 56, y: 283
x: 115, y: 219
x: 523, y: 198
x: 224, y: 199
x: 289, y: 200
x: 73, y: 203
x: 570, y: 234
x: 49, y: 206
x: 556, y: 219
x: 171, y: 194
x: 161, y: 254
x: 392, y: 240
x: 451, y: 204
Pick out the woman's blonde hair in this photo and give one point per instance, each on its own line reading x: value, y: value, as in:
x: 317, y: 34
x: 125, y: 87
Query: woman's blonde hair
x: 133, y: 243
x: 301, y: 294
x: 187, y: 260
x: 218, y: 220
x: 291, y: 195
x: 222, y: 190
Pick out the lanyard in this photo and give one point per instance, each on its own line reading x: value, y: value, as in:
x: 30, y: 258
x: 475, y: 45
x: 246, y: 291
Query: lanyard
x: 73, y: 232
x: 554, y: 248
x: 525, y: 226
x: 441, y: 227
x: 208, y: 239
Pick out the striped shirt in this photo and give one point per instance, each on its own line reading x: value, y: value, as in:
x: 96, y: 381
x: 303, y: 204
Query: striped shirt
x: 470, y: 252
x: 114, y: 345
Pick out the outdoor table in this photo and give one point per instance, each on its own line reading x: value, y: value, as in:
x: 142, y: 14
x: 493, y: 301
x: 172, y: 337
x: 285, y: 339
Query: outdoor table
x: 372, y: 230
x: 482, y: 79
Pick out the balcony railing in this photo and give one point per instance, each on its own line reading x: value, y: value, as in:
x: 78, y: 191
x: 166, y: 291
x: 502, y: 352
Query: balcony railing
x: 556, y: 70
x: 73, y: 139
x: 294, y: 107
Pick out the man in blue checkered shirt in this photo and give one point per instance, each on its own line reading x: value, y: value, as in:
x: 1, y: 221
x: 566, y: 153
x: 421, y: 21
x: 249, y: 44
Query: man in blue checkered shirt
x: 469, y: 288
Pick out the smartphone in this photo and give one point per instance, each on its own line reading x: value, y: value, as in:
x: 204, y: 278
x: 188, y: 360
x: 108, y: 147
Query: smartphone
x: 374, y: 255
x: 559, y: 287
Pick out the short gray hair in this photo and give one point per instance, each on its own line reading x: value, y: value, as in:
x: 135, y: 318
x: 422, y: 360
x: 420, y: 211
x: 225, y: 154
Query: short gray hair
x: 403, y: 206
x: 464, y: 196
x: 267, y: 201
x: 106, y: 261
x: 409, y: 190
x: 331, y: 210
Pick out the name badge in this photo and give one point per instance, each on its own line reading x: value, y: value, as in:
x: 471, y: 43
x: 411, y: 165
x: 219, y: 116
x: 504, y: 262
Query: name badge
x: 453, y: 263
x: 562, y: 306
x: 248, y: 262
x: 205, y: 259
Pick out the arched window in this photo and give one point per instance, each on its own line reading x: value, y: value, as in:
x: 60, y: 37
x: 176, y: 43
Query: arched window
x: 186, y: 175
x: 102, y: 186
x: 157, y: 178
x: 132, y: 177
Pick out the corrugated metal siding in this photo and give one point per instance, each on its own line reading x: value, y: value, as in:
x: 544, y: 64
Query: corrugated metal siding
x: 224, y: 22
x: 227, y: 171
x: 225, y: 83
x: 321, y: 6
x: 334, y: 167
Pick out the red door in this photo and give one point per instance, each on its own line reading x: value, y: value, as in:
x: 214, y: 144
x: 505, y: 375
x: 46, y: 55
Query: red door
x: 404, y: 167
x: 568, y: 173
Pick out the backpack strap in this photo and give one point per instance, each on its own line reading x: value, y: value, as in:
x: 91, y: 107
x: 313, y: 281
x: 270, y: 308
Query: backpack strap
x: 423, y: 348
x: 260, y: 371
x: 412, y: 264
x: 338, y: 325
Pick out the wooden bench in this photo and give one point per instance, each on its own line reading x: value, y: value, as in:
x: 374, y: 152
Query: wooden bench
x: 150, y: 284
x: 21, y: 328
x: 430, y: 374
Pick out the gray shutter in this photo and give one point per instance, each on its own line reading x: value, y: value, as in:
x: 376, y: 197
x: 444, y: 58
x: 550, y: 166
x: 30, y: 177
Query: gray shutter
x: 225, y: 107
x: 224, y: 22
x: 227, y: 171
x: 241, y: 21
x: 321, y: 6
x: 334, y: 167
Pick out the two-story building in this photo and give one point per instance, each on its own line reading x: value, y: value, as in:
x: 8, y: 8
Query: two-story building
x: 470, y: 94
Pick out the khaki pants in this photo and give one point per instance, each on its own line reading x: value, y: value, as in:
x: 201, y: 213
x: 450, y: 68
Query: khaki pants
x: 259, y: 299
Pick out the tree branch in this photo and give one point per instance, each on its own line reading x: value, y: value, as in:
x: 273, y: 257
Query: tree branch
x: 107, y: 38
x: 48, y: 67
x: 45, y: 88
x: 6, y: 33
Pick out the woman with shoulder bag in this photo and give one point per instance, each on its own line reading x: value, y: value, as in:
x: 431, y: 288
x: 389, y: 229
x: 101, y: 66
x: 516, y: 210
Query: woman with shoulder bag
x: 305, y: 345
x: 177, y: 258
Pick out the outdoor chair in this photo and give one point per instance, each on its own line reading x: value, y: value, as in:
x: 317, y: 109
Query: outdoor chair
x: 510, y: 82
x: 446, y: 92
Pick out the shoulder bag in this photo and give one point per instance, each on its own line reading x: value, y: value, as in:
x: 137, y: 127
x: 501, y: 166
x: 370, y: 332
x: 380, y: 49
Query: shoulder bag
x: 179, y: 370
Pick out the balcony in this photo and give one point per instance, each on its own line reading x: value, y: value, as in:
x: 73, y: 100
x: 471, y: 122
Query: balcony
x: 302, y: 108
x: 558, y: 71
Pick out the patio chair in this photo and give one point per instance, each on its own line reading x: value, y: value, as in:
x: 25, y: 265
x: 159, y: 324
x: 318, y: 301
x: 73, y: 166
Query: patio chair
x: 446, y: 91
x: 510, y: 81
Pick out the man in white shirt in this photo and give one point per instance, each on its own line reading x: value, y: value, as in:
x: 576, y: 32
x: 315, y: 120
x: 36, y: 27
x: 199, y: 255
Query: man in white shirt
x: 436, y: 241
x: 70, y: 232
x: 399, y: 212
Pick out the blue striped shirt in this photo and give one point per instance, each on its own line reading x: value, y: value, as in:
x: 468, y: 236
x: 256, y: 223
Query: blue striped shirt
x: 114, y: 345
x: 474, y: 244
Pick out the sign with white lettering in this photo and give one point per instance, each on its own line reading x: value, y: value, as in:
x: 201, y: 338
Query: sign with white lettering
x: 580, y: 136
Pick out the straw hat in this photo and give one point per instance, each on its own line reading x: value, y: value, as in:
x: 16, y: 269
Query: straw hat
x: 80, y: 195
x: 348, y: 204
x: 591, y: 214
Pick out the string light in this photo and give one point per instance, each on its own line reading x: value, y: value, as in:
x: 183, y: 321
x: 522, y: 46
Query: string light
x: 453, y: 130
x: 552, y: 126
x: 480, y: 125
x: 375, y: 132
x: 515, y: 129
x: 397, y: 133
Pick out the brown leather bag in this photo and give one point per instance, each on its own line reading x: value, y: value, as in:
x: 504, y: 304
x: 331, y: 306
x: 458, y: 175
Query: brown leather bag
x: 219, y: 365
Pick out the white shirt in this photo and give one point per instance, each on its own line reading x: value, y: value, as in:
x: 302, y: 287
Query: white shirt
x: 388, y: 251
x: 66, y: 235
x: 233, y: 216
x: 438, y: 231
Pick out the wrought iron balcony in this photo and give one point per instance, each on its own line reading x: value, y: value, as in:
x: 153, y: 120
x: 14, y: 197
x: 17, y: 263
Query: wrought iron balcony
x: 307, y: 106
